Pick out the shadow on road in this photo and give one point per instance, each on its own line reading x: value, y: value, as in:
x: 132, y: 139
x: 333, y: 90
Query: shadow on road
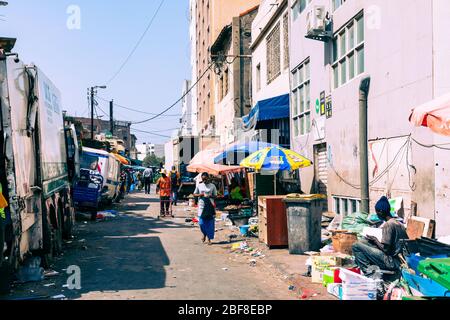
x: 116, y: 255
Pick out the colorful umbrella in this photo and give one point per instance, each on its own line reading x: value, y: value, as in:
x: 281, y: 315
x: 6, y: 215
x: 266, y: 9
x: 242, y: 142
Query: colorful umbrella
x: 275, y: 159
x: 239, y: 151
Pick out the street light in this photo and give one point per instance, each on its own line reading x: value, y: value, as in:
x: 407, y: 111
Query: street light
x: 93, y: 91
x: 3, y: 3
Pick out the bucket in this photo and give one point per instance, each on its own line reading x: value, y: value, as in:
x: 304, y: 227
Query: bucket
x: 244, y: 230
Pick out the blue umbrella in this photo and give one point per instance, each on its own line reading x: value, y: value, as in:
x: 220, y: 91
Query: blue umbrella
x: 238, y: 152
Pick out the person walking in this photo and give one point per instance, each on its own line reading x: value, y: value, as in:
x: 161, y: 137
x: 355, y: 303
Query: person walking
x: 175, y: 185
x: 148, y: 177
x: 163, y: 186
x: 207, y: 192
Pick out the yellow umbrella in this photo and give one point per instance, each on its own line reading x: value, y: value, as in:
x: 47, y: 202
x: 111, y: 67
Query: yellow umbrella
x: 275, y: 159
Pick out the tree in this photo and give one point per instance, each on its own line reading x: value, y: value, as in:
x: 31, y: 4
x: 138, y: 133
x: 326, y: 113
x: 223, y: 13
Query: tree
x: 152, y: 160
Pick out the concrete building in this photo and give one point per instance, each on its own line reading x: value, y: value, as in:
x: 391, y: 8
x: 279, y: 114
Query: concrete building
x: 143, y: 150
x: 270, y: 35
x: 269, y: 118
x: 211, y: 17
x: 146, y: 149
x: 122, y: 131
x: 233, y: 75
x: 186, y: 110
x: 193, y: 62
x: 403, y: 46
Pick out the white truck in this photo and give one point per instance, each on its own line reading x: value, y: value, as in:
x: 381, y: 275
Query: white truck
x: 35, y: 151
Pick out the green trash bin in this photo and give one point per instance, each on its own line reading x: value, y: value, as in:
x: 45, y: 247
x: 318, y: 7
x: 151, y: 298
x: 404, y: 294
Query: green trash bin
x: 304, y: 218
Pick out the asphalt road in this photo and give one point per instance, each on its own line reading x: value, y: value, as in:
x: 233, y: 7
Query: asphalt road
x: 137, y: 256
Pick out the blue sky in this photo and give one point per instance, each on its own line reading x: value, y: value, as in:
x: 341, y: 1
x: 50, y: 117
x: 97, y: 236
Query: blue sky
x: 78, y: 59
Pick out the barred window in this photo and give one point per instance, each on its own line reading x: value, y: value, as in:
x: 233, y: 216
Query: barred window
x: 273, y: 54
x: 286, y: 40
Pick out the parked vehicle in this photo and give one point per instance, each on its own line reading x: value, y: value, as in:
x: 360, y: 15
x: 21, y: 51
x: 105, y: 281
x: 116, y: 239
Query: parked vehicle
x: 107, y: 165
x: 33, y: 167
x: 87, y: 191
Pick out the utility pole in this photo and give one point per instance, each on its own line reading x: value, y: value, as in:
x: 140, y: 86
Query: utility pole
x: 111, y: 116
x: 363, y: 144
x: 92, y: 113
x: 93, y: 92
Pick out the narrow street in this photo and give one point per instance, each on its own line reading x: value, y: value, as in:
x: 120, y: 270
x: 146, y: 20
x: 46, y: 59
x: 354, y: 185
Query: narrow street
x: 137, y: 256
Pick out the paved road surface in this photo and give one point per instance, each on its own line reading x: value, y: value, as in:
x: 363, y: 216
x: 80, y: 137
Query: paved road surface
x: 137, y: 256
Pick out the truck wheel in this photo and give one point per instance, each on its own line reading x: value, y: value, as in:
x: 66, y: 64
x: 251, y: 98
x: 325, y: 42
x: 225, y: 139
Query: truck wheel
x: 68, y: 223
x: 47, y: 239
x: 58, y: 232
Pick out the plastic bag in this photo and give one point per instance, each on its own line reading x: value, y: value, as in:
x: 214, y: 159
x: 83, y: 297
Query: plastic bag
x: 356, y: 222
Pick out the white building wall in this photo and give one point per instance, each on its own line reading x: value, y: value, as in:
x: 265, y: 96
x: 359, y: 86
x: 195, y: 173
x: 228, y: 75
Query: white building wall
x: 169, y: 155
x: 400, y: 39
x: 280, y: 85
x: 225, y: 114
x: 193, y: 40
x: 186, y: 109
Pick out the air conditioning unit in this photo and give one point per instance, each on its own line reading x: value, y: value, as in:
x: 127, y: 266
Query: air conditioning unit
x: 316, y: 20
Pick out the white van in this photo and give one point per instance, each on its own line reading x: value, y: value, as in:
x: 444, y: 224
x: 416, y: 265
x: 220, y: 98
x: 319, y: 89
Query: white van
x: 108, y: 166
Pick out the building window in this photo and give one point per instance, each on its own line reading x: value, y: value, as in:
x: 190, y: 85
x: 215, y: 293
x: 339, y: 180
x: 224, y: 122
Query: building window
x: 301, y: 99
x: 258, y: 77
x: 298, y: 7
x: 348, y: 52
x: 346, y: 206
x: 273, y: 54
x: 337, y: 4
x: 286, y: 40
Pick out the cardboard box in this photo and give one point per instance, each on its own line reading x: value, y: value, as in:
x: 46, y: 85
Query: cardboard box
x: 321, y: 263
x: 343, y: 241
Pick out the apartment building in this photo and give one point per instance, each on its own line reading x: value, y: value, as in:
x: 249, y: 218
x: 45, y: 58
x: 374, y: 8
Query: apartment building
x: 233, y: 75
x: 269, y: 117
x: 403, y: 46
x: 211, y: 16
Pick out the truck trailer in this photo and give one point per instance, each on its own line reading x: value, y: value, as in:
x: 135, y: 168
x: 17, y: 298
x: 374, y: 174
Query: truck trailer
x: 36, y: 150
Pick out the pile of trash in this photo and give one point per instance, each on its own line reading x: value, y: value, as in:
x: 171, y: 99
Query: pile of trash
x: 244, y: 248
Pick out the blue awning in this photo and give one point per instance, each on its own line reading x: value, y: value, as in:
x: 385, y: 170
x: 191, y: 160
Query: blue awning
x: 270, y: 109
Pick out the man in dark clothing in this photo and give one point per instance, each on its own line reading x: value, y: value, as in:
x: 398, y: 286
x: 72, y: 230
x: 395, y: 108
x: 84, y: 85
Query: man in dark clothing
x: 383, y: 254
x: 148, y: 178
x: 175, y: 185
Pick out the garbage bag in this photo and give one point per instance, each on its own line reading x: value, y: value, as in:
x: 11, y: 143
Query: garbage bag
x: 356, y: 222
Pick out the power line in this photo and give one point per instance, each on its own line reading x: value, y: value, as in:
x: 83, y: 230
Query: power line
x: 137, y: 44
x: 152, y: 133
x: 136, y: 110
x: 182, y: 97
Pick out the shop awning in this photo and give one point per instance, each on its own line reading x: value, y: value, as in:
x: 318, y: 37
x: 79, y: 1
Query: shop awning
x: 213, y: 169
x: 270, y: 109
x: 434, y: 114
x: 122, y: 160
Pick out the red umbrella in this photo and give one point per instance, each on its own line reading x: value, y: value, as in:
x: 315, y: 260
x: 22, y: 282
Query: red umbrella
x: 434, y: 115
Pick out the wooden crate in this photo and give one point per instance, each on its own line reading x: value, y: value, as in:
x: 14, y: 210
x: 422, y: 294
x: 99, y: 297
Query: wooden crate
x: 273, y: 229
